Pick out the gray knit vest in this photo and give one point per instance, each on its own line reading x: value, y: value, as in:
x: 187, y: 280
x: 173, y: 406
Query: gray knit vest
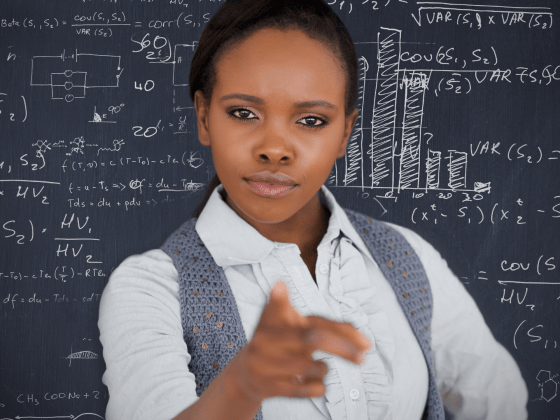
x: 212, y: 327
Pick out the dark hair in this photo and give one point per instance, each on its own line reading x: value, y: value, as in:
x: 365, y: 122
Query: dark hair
x: 236, y: 20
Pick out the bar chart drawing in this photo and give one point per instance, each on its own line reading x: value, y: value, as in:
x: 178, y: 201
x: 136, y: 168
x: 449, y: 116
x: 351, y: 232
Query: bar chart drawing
x: 399, y: 154
x: 457, y: 168
x: 410, y: 166
x: 433, y: 163
x: 354, y: 174
x: 381, y: 150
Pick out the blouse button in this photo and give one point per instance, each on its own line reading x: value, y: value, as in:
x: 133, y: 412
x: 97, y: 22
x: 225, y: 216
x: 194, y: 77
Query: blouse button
x: 354, y: 394
x: 324, y: 268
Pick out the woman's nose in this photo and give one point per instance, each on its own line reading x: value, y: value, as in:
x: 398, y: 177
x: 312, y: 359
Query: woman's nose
x: 275, y: 144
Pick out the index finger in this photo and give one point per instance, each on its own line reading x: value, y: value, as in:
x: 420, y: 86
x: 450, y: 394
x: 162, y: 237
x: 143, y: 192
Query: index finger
x: 279, y: 309
x: 339, y: 338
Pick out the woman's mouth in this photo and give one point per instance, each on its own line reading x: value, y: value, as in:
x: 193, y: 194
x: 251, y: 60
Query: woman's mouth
x: 267, y: 190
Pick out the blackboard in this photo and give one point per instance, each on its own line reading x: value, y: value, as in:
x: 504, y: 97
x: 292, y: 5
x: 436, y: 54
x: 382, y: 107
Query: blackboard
x: 457, y: 139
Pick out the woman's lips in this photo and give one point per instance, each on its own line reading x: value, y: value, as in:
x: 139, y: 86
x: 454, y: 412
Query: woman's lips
x: 266, y: 190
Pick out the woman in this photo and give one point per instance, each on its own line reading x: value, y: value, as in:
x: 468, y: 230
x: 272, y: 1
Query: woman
x: 348, y: 330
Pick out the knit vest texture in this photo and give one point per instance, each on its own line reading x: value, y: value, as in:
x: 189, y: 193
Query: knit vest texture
x: 212, y: 327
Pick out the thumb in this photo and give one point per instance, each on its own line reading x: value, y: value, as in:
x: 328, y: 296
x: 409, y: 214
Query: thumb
x: 279, y: 296
x: 279, y: 292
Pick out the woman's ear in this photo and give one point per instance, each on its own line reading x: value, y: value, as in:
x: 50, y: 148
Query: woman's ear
x: 201, y: 108
x: 349, y: 125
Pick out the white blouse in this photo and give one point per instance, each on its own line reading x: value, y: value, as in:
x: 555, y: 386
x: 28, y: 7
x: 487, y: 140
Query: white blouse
x: 147, y: 359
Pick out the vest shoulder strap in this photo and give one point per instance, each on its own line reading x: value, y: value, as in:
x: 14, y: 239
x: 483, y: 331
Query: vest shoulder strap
x: 212, y: 327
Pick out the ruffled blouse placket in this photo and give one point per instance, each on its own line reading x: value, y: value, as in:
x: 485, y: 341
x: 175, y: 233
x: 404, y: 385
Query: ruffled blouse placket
x: 352, y: 391
x: 351, y: 286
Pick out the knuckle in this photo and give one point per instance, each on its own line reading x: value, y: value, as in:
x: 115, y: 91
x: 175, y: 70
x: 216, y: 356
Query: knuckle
x: 311, y: 372
x: 315, y: 369
x: 308, y: 335
x: 298, y: 338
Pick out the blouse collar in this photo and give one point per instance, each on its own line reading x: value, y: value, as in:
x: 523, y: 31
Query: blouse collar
x: 232, y: 241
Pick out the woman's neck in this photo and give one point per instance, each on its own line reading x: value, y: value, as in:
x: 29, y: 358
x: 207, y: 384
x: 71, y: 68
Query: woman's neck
x: 306, y: 228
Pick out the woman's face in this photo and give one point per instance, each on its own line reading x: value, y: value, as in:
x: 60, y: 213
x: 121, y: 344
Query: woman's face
x: 277, y: 105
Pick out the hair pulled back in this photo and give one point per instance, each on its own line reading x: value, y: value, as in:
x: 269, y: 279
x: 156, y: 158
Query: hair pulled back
x: 236, y: 20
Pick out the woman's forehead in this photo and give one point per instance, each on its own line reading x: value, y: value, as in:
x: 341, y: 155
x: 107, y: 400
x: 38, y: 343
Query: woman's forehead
x: 272, y: 60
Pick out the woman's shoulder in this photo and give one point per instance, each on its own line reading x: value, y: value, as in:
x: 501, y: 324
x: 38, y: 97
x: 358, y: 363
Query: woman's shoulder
x: 444, y: 283
x: 185, y: 230
x: 154, y: 260
x: 422, y: 247
x: 419, y: 244
x: 152, y: 271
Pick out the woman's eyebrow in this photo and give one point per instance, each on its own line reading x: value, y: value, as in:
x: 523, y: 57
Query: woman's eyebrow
x: 257, y: 100
x: 319, y: 102
x: 243, y: 97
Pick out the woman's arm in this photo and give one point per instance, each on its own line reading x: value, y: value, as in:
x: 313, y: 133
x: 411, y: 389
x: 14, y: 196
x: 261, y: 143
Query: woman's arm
x: 140, y: 328
x: 478, y: 377
x: 141, y: 333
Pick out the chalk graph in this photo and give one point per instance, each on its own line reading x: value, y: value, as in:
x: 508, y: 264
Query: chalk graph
x: 389, y: 152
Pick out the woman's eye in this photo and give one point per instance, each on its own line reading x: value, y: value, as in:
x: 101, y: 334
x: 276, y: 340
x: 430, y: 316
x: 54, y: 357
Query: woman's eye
x: 247, y: 115
x: 313, y: 121
x: 243, y: 114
